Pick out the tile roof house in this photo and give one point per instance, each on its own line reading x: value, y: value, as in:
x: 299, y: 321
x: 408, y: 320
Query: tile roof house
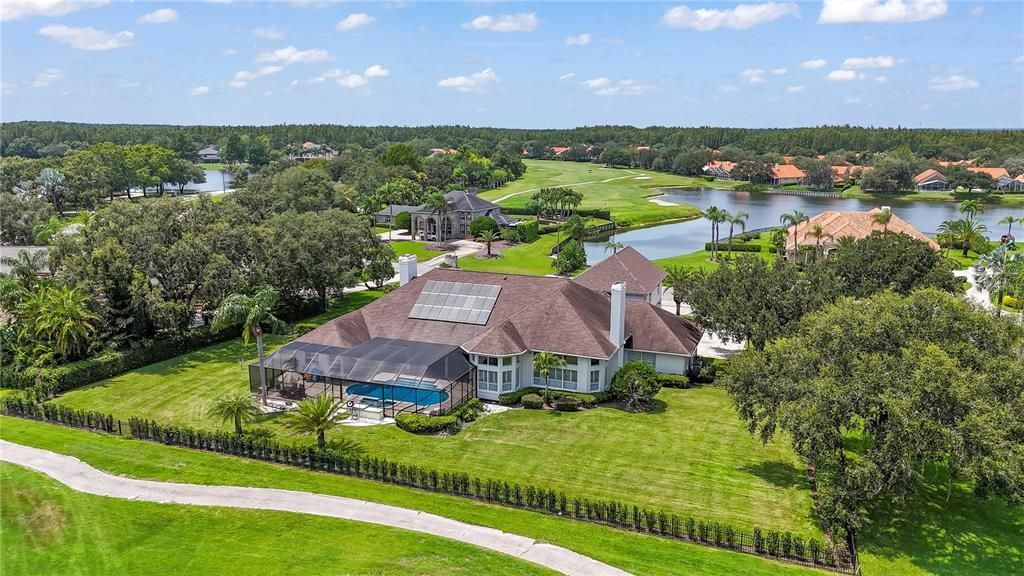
x: 783, y: 174
x: 720, y: 169
x: 406, y: 350
x: 312, y: 150
x: 931, y: 179
x: 855, y: 224
x: 558, y: 150
x: 999, y: 175
x: 209, y: 154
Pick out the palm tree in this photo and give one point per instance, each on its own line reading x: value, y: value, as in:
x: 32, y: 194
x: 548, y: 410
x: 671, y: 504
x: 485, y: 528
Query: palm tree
x: 237, y: 408
x: 716, y: 216
x: 613, y: 246
x: 947, y: 231
x: 678, y: 278
x: 487, y: 236
x: 995, y: 274
x: 972, y: 207
x: 315, y: 415
x: 793, y: 219
x: 968, y: 232
x: 544, y: 363
x: 817, y: 232
x: 437, y: 203
x: 253, y: 313
x: 737, y: 218
x: 883, y: 217
x: 1009, y: 220
x: 26, y: 266
x: 66, y: 320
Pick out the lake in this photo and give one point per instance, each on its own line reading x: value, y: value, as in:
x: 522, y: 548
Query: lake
x: 765, y: 209
x: 214, y: 183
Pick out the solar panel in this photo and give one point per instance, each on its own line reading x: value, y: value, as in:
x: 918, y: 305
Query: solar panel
x: 455, y: 302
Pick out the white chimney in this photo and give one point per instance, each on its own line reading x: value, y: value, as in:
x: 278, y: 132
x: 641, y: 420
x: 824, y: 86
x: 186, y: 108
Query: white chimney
x: 617, y: 329
x: 406, y: 268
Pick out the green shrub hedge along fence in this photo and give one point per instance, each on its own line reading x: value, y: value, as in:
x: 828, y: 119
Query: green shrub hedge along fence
x: 736, y: 247
x: 621, y: 515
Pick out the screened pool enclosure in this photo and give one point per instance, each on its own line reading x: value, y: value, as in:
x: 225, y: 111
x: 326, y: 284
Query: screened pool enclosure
x: 381, y: 375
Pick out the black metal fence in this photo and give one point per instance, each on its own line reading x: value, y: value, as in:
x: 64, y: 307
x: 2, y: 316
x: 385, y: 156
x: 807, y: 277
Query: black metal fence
x: 773, y: 544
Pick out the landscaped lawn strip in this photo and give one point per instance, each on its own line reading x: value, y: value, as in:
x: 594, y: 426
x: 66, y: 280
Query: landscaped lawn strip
x: 531, y: 258
x: 413, y: 247
x: 626, y: 196
x: 51, y: 529
x: 637, y: 553
x: 935, y: 196
x: 701, y: 258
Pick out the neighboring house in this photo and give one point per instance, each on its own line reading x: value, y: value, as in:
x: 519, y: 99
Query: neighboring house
x: 931, y: 179
x: 1000, y: 175
x: 449, y: 335
x: 312, y: 150
x: 558, y: 150
x: 643, y: 279
x: 841, y: 174
x: 441, y: 152
x: 835, y: 225
x: 209, y: 154
x: 383, y: 217
x: 945, y: 163
x: 463, y: 207
x: 720, y: 169
x: 783, y: 174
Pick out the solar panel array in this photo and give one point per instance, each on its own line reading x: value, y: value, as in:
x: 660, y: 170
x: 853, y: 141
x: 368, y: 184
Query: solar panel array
x: 455, y: 302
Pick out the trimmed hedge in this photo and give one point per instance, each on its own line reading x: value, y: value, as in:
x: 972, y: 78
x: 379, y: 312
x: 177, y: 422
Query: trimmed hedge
x: 584, y: 212
x: 529, y: 231
x: 568, y: 404
x: 532, y: 401
x: 736, y: 247
x: 423, y: 424
x: 588, y: 400
x: 673, y: 380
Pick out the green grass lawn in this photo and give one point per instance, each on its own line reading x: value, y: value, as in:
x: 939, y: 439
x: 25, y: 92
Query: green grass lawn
x: 702, y: 258
x: 959, y: 260
x: 626, y: 195
x: 531, y: 259
x: 413, y: 247
x: 936, y: 196
x: 637, y: 553
x: 212, y: 165
x: 51, y: 529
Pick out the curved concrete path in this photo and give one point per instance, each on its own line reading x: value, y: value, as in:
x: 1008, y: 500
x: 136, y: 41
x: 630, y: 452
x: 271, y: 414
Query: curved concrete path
x: 82, y: 477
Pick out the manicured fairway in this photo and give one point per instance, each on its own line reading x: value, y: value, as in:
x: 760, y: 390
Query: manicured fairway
x: 622, y: 191
x: 51, y: 529
x: 636, y: 553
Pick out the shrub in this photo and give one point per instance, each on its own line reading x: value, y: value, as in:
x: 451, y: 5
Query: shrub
x: 568, y: 404
x: 469, y: 410
x: 736, y: 246
x: 423, y: 424
x: 532, y: 401
x: 635, y: 385
x: 588, y: 400
x: 673, y: 380
x: 481, y: 223
x: 403, y: 221
x: 528, y: 231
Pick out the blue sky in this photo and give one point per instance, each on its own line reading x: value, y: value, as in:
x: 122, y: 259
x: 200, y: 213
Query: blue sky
x: 914, y: 63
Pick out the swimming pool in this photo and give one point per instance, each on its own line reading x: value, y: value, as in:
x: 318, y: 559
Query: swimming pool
x: 417, y: 396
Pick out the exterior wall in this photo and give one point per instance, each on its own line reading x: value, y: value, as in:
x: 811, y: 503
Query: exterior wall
x: 672, y: 364
x: 494, y: 380
x: 656, y: 295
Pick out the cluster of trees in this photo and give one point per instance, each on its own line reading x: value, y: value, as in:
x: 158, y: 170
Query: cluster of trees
x: 556, y: 202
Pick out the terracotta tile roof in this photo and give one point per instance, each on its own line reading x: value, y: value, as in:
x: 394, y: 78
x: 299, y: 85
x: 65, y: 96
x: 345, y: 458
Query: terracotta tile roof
x: 1020, y: 177
x: 841, y: 173
x: 837, y: 224
x: 995, y: 173
x: 787, y: 171
x: 559, y: 149
x: 626, y: 265
x: 929, y: 174
x: 723, y: 164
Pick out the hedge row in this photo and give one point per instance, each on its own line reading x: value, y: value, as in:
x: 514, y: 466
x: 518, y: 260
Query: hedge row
x: 673, y: 380
x: 584, y: 212
x: 535, y: 498
x: 736, y: 247
x: 588, y: 400
x: 424, y: 424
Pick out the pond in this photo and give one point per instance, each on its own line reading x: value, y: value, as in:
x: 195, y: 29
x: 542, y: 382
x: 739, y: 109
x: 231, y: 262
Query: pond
x: 216, y: 180
x: 765, y: 209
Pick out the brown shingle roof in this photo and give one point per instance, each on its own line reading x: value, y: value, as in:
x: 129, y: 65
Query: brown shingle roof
x: 626, y: 265
x: 858, y: 225
x: 655, y: 329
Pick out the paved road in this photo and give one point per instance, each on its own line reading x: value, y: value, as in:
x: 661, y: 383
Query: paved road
x: 82, y: 477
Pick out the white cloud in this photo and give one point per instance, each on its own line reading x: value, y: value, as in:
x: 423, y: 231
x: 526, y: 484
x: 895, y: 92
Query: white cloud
x: 199, y: 90
x: 18, y: 9
x: 376, y: 71
x: 268, y: 33
x: 352, y: 81
x: 243, y: 77
x: 354, y: 21
x: 871, y: 62
x: 814, y: 64
x: 292, y: 55
x: 568, y: 76
x: 581, y: 40
x: 741, y: 17
x: 780, y: 71
x: 626, y: 87
x: 852, y: 100
x: 161, y: 16
x: 230, y: 52
x: 881, y: 79
x: 753, y: 76
x: 87, y: 38
x: 596, y: 83
x: 880, y: 11
x: 978, y: 10
x: 523, y: 22
x: 844, y: 75
x: 796, y: 89
x: 952, y: 83
x: 1019, y: 60
x: 478, y: 82
x: 47, y: 77
x: 293, y: 84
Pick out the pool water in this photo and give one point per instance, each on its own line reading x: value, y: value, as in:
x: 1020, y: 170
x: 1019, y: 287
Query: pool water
x: 417, y: 396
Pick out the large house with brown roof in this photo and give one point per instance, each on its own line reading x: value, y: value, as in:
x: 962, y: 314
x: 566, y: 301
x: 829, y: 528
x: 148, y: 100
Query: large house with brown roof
x: 452, y: 334
x: 835, y: 225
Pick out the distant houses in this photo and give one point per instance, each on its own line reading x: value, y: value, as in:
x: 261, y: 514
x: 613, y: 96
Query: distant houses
x: 783, y: 174
x: 209, y: 154
x: 1000, y: 176
x: 463, y: 207
x: 931, y: 179
x: 311, y: 151
x: 836, y: 224
x: 720, y: 169
x: 435, y: 152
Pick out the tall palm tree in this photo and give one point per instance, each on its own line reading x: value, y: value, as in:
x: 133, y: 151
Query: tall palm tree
x: 613, y: 246
x: 947, y: 231
x: 716, y: 216
x: 817, y: 232
x: 315, y: 415
x: 734, y: 219
x: 26, y: 266
x: 679, y: 279
x: 793, y: 219
x: 253, y: 313
x: 487, y: 236
x: 1009, y: 220
x: 66, y: 320
x: 237, y: 408
x: 437, y: 203
x: 883, y: 217
x: 544, y: 363
x: 995, y: 273
x: 968, y: 232
x: 972, y: 207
